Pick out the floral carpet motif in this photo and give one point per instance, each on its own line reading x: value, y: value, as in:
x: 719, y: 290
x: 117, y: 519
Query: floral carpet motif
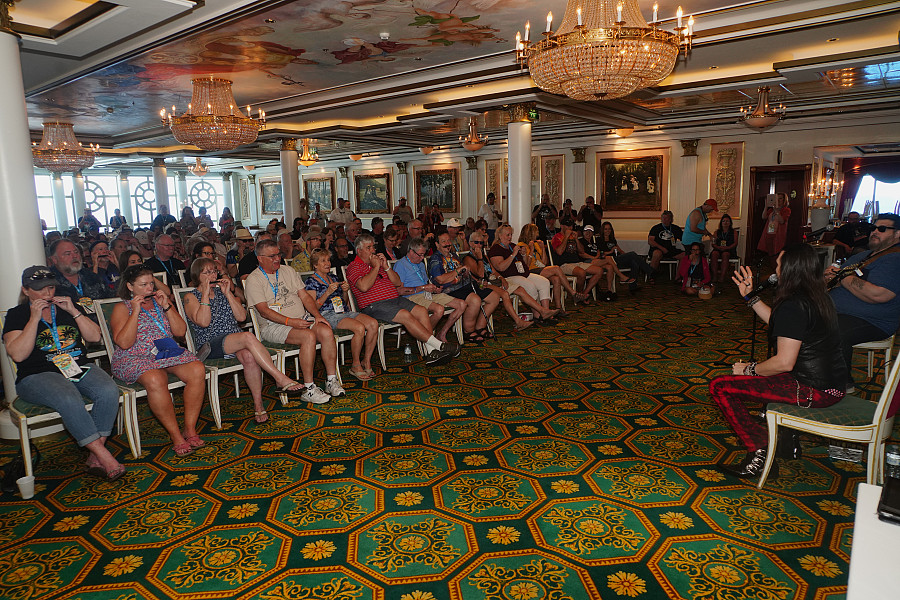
x: 560, y: 463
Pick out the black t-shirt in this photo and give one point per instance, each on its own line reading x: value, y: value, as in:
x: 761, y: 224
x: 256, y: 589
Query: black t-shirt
x: 170, y: 267
x: 666, y: 236
x: 855, y: 235
x: 161, y: 221
x: 517, y: 268
x: 44, y: 344
x: 591, y: 217
x: 589, y: 246
x: 543, y: 211
x: 820, y: 363
x: 248, y: 264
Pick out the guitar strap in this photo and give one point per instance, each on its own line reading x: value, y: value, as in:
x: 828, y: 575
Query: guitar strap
x: 850, y: 269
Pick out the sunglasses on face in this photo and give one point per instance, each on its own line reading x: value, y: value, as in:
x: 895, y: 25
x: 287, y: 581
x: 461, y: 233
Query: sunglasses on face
x: 883, y: 228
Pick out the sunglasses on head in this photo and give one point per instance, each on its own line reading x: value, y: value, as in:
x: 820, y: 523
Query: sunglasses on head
x: 883, y: 228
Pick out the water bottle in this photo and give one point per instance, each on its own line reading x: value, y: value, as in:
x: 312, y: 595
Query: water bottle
x: 892, y: 461
x: 407, y: 354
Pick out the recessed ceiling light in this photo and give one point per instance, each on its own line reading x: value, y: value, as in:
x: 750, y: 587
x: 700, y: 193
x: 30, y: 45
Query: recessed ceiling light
x: 832, y: 39
x: 713, y: 67
x: 270, y: 21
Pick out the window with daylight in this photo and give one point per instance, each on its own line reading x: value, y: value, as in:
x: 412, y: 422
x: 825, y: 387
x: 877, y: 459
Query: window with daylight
x: 874, y: 197
x: 207, y: 192
x: 101, y: 195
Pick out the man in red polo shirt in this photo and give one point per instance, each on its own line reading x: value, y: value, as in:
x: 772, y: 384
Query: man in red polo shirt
x: 375, y: 286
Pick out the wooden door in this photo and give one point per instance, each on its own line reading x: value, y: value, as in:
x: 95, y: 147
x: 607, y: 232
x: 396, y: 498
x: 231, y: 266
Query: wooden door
x: 790, y: 180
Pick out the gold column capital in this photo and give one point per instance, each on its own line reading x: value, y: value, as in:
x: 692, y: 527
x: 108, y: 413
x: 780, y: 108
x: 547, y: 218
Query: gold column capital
x: 471, y: 162
x: 251, y: 178
x: 689, y: 147
x: 226, y: 175
x: 519, y: 112
x: 122, y: 173
x: 578, y: 154
x: 401, y: 167
x: 159, y: 162
x: 288, y: 144
x: 5, y: 19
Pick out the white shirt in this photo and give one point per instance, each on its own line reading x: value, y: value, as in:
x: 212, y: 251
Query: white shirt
x: 341, y: 215
x: 486, y: 212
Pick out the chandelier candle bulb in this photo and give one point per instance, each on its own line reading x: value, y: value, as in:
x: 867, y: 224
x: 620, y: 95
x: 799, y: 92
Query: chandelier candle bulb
x: 527, y: 31
x: 580, y: 21
x: 690, y: 30
x: 619, y: 13
x: 549, y: 22
x: 655, y: 12
x: 678, y: 15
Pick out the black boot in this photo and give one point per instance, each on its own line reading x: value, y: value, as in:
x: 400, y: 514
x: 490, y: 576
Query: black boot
x: 752, y: 465
x: 788, y: 447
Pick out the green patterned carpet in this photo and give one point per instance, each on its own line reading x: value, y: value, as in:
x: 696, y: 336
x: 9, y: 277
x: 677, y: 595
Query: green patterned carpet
x: 575, y: 463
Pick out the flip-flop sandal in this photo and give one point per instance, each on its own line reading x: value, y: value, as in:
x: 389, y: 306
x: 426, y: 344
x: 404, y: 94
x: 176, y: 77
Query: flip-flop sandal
x: 361, y: 375
x: 370, y: 372
x: 298, y: 389
x: 182, y: 450
x: 194, y: 441
x: 101, y: 473
x: 260, y: 413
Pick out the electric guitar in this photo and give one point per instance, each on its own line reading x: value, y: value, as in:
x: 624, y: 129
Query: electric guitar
x: 856, y: 268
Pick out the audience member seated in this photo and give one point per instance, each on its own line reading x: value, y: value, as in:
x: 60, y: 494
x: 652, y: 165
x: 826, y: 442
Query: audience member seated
x: 88, y: 222
x: 589, y: 249
x: 289, y: 316
x: 480, y: 269
x: 540, y: 211
x: 243, y: 245
x: 73, y: 278
x: 103, y: 266
x: 536, y: 261
x: 302, y: 262
x: 164, y: 260
x: 457, y: 237
x: 625, y: 260
x: 693, y: 270
x: 590, y: 214
x: 662, y: 240
x: 724, y: 248
x: 215, y: 311
x: 418, y: 287
x: 403, y: 210
x: 45, y: 336
x: 390, y: 242
x: 250, y: 263
x: 143, y: 329
x: 286, y: 246
x: 375, y: 286
x: 853, y: 236
x: 565, y: 247
x: 341, y: 257
x: 532, y: 289
x: 548, y: 227
x: 331, y: 300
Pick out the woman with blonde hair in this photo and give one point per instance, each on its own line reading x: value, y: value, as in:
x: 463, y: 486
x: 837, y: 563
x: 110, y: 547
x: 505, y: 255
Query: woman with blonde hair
x: 533, y: 290
x: 536, y: 261
x: 480, y: 267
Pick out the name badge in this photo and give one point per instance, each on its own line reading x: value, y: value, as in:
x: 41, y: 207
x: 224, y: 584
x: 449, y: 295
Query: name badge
x: 66, y: 365
x: 338, y: 304
x: 520, y: 267
x: 428, y: 295
x: 87, y: 304
x: 275, y: 307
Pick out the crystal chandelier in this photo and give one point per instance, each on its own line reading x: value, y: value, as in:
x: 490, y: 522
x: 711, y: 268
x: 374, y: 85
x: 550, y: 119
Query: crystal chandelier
x: 472, y: 142
x: 213, y: 121
x: 308, y: 158
x: 198, y: 168
x: 762, y: 116
x: 60, y: 152
x: 602, y: 50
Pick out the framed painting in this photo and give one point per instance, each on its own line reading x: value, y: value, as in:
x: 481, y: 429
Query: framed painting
x: 319, y: 190
x: 373, y: 193
x: 438, y: 186
x: 633, y: 182
x: 270, y: 196
x: 552, y: 184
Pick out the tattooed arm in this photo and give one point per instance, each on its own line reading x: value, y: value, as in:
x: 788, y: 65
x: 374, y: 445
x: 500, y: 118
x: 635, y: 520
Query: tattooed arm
x: 867, y: 292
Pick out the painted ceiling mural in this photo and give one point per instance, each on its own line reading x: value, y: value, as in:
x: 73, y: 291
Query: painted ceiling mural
x: 310, y: 45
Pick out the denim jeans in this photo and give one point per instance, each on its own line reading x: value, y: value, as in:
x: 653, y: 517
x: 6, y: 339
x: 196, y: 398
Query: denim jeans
x: 56, y: 392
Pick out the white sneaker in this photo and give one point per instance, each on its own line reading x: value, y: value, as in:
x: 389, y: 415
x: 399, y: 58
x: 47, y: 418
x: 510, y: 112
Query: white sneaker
x: 334, y: 388
x: 315, y: 395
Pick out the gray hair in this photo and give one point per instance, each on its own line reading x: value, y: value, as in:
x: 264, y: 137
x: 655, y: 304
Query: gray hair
x: 417, y: 244
x: 363, y: 239
x: 263, y: 244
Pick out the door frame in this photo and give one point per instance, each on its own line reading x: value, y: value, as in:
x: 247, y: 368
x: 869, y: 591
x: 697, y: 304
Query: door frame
x: 756, y: 206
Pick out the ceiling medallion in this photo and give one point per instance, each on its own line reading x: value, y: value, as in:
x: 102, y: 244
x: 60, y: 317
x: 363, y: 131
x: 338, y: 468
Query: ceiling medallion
x: 472, y: 142
x: 762, y: 116
x: 602, y: 50
x: 60, y: 152
x: 308, y: 158
x: 213, y: 121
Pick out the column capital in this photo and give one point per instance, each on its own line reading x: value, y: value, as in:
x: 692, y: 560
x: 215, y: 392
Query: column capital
x: 181, y: 175
x: 251, y: 178
x: 226, y: 175
x: 519, y: 112
x: 288, y: 144
x: 471, y: 162
x: 344, y: 172
x: 159, y: 162
x: 5, y: 19
x: 578, y: 154
x: 689, y: 147
x: 122, y: 173
x: 401, y: 167
x: 56, y: 175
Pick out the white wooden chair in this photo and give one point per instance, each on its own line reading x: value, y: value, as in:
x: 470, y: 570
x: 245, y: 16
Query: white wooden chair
x: 871, y: 348
x: 853, y: 419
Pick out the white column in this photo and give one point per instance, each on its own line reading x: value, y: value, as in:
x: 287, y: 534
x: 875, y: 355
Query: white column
x: 125, y: 197
x: 577, y: 179
x: 343, y: 190
x: 229, y: 191
x: 472, y: 202
x: 235, y: 184
x: 59, y: 202
x: 252, y: 220
x: 181, y: 193
x: 688, y: 200
x: 290, y: 179
x: 21, y: 244
x: 400, y: 189
x: 78, y: 194
x: 161, y: 186
x: 519, y: 133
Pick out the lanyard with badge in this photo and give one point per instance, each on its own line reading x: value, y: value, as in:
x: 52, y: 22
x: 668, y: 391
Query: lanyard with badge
x: 337, y: 302
x: 166, y: 346
x: 519, y: 266
x: 85, y: 302
x: 63, y: 360
x: 424, y: 278
x: 274, y: 305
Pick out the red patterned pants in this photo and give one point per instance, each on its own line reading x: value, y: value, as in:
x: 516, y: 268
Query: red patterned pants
x: 734, y: 392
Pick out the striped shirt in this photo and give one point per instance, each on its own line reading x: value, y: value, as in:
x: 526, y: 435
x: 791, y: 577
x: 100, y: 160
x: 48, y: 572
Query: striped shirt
x: 382, y: 289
